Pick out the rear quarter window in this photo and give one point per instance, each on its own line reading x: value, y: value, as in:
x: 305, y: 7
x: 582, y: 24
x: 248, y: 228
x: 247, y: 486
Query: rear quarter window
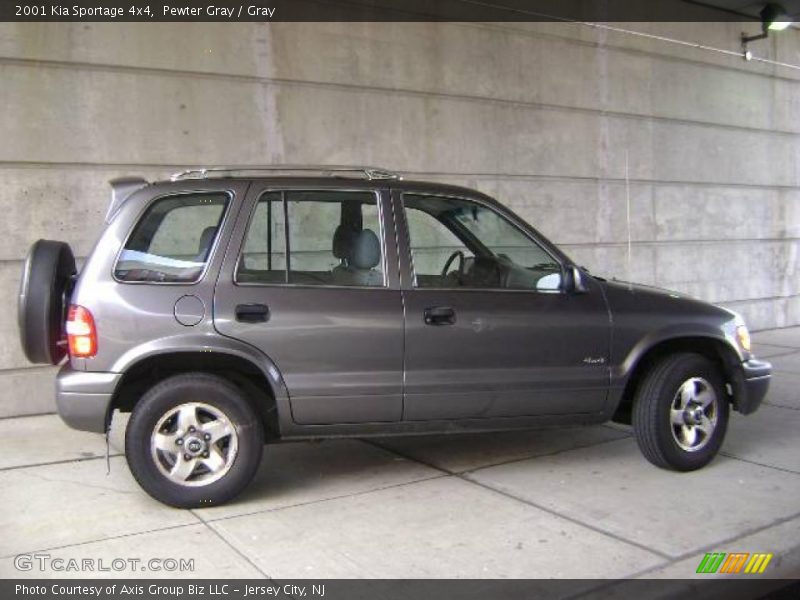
x: 173, y: 239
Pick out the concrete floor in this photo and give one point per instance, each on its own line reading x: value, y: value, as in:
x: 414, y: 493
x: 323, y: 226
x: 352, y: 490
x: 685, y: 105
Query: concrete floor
x: 578, y: 503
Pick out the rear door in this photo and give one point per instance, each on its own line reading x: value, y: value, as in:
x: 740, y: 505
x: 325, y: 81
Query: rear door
x: 310, y: 279
x: 490, y: 331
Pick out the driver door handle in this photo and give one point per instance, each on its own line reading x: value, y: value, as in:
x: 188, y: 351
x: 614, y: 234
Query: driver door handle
x: 440, y: 315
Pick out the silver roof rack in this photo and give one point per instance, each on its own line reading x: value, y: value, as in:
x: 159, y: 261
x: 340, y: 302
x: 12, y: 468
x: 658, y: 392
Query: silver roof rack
x: 369, y: 173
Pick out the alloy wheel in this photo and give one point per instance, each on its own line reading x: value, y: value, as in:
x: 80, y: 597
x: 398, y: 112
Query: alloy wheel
x: 194, y: 444
x: 694, y: 414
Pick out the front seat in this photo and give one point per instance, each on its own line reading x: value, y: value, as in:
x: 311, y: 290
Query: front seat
x: 363, y: 256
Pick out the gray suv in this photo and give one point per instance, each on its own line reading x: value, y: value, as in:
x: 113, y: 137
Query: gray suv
x: 231, y: 307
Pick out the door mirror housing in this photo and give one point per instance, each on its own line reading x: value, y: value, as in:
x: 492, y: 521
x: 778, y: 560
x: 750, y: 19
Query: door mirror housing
x: 576, y: 282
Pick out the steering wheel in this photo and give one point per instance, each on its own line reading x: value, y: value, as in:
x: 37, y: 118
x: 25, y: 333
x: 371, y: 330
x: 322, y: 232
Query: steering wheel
x: 457, y: 254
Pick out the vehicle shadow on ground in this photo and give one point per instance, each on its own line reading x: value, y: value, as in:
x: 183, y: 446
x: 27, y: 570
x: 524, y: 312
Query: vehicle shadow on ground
x: 296, y: 471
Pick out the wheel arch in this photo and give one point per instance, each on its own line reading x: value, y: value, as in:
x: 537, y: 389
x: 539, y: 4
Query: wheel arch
x: 714, y: 348
x: 249, y: 370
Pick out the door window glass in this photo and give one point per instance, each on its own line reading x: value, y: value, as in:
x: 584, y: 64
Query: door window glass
x: 172, y: 241
x: 456, y: 243
x: 314, y: 238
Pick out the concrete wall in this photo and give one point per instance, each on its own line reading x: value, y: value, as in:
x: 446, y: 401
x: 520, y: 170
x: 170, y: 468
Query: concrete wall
x: 540, y: 115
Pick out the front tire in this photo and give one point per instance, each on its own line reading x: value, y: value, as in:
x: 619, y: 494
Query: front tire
x: 680, y: 412
x: 193, y: 440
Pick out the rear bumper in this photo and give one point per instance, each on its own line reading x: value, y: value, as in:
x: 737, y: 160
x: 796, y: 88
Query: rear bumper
x: 83, y: 398
x: 750, y: 385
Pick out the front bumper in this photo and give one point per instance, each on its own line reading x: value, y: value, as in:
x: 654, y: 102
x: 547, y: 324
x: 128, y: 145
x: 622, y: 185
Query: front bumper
x: 83, y: 398
x: 751, y: 383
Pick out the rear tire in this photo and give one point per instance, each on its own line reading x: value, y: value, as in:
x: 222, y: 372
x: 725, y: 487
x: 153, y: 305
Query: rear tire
x: 43, y: 300
x: 193, y: 440
x: 680, y: 412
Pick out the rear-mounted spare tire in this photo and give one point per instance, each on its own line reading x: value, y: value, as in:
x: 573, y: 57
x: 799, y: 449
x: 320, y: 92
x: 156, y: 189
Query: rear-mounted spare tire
x: 43, y: 300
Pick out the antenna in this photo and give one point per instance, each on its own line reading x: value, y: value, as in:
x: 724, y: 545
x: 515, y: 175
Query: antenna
x: 628, y: 215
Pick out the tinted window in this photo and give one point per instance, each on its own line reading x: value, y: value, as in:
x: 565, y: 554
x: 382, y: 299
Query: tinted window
x: 461, y: 244
x: 431, y: 243
x: 173, y: 239
x: 330, y: 238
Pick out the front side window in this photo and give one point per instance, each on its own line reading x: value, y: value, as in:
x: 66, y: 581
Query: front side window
x: 457, y: 243
x: 313, y: 238
x: 172, y: 241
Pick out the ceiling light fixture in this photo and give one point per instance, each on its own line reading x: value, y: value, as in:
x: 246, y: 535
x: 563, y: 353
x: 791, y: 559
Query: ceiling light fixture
x: 773, y: 18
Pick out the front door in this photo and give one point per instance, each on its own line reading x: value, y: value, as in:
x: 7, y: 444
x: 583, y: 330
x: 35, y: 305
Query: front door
x: 490, y: 330
x: 314, y: 290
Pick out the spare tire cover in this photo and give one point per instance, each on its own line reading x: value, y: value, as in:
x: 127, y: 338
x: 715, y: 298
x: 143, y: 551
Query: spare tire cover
x: 43, y: 299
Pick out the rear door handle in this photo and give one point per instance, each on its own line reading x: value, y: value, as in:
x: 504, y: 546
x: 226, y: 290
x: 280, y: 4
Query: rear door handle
x: 252, y: 313
x: 440, y: 315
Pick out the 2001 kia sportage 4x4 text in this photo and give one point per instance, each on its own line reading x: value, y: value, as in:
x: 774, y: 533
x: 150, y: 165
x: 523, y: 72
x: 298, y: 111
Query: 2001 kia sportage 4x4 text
x: 228, y: 307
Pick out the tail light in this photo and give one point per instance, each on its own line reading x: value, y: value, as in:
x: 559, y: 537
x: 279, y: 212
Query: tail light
x: 81, y: 332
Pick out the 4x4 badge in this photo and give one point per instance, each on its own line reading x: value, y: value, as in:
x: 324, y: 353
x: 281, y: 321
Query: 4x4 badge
x: 590, y: 360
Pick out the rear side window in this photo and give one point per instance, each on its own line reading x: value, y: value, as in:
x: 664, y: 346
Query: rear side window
x: 314, y: 238
x: 172, y: 241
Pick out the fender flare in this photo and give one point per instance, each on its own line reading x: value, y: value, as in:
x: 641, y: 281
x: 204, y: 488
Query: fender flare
x: 626, y: 370
x: 669, y: 333
x: 213, y: 344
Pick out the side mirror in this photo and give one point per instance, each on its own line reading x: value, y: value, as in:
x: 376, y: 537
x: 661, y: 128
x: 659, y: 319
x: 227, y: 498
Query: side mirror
x: 576, y: 283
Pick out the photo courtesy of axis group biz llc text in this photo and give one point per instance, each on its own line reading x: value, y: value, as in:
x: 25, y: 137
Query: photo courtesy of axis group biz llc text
x: 173, y: 590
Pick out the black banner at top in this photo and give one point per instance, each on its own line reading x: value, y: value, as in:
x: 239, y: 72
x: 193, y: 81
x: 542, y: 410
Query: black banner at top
x: 380, y: 10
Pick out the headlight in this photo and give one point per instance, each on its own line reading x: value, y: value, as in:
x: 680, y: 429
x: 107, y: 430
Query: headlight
x: 743, y: 337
